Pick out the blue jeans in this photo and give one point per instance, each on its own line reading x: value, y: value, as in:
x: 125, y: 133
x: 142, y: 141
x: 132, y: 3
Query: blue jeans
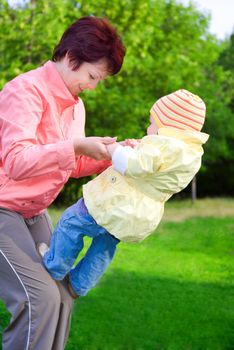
x: 67, y: 242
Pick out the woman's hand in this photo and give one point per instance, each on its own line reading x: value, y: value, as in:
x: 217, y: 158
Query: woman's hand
x: 94, y: 147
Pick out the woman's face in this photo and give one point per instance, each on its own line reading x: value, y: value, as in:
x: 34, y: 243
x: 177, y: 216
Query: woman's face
x: 87, y: 76
x: 152, y: 128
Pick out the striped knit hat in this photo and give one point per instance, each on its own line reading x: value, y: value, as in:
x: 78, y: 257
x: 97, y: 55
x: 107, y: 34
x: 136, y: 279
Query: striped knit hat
x: 181, y: 110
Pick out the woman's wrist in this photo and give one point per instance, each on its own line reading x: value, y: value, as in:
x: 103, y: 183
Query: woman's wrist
x: 78, y: 146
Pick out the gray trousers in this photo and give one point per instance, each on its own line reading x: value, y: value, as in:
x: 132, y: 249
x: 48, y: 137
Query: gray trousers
x: 39, y: 306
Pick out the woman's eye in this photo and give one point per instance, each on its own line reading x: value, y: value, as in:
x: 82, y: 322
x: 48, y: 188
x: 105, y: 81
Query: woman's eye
x: 91, y: 77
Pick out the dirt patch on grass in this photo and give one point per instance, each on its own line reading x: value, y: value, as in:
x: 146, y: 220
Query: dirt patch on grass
x: 184, y: 209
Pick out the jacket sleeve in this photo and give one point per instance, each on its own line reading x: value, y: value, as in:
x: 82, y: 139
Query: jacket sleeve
x: 164, y: 155
x: 21, y: 110
x: 86, y: 166
x: 138, y: 162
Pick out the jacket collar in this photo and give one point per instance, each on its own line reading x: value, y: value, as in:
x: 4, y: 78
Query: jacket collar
x: 57, y: 86
x: 187, y: 136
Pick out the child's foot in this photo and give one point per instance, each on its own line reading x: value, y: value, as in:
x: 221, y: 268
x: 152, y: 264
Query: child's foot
x: 71, y: 291
x: 42, y: 248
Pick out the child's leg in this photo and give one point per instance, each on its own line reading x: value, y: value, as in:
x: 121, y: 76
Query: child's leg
x: 66, y: 242
x: 90, y: 269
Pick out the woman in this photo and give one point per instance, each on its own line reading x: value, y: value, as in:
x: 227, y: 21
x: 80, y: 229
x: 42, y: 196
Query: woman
x: 42, y: 144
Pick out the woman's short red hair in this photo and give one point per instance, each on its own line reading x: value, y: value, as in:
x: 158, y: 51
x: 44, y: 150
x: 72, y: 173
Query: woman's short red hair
x: 91, y: 39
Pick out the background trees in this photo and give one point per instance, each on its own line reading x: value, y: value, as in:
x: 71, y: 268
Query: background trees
x: 168, y: 47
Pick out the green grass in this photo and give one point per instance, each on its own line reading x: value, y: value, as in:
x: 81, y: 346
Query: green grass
x: 173, y: 291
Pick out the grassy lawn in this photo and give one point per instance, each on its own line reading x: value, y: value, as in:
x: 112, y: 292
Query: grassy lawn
x: 173, y: 291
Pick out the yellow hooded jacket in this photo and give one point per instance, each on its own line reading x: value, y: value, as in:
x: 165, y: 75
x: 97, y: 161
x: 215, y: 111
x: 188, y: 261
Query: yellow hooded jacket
x: 130, y: 206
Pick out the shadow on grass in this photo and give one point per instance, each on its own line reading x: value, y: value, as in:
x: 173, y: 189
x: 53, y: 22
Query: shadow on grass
x: 128, y: 311
x: 133, y: 312
x: 134, y: 309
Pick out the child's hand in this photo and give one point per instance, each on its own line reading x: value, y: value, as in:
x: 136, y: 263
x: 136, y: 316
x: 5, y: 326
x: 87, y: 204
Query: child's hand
x: 112, y: 147
x: 130, y: 142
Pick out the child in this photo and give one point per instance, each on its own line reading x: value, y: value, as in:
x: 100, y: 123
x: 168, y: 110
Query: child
x: 126, y: 202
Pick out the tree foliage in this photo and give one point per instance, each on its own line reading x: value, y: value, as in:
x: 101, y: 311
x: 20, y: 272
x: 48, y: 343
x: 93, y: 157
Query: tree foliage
x: 168, y: 47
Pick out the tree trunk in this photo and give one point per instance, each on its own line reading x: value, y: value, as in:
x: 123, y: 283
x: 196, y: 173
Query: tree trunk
x: 194, y: 189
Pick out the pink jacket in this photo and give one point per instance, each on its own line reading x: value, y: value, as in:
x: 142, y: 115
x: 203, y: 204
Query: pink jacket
x: 38, y: 118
